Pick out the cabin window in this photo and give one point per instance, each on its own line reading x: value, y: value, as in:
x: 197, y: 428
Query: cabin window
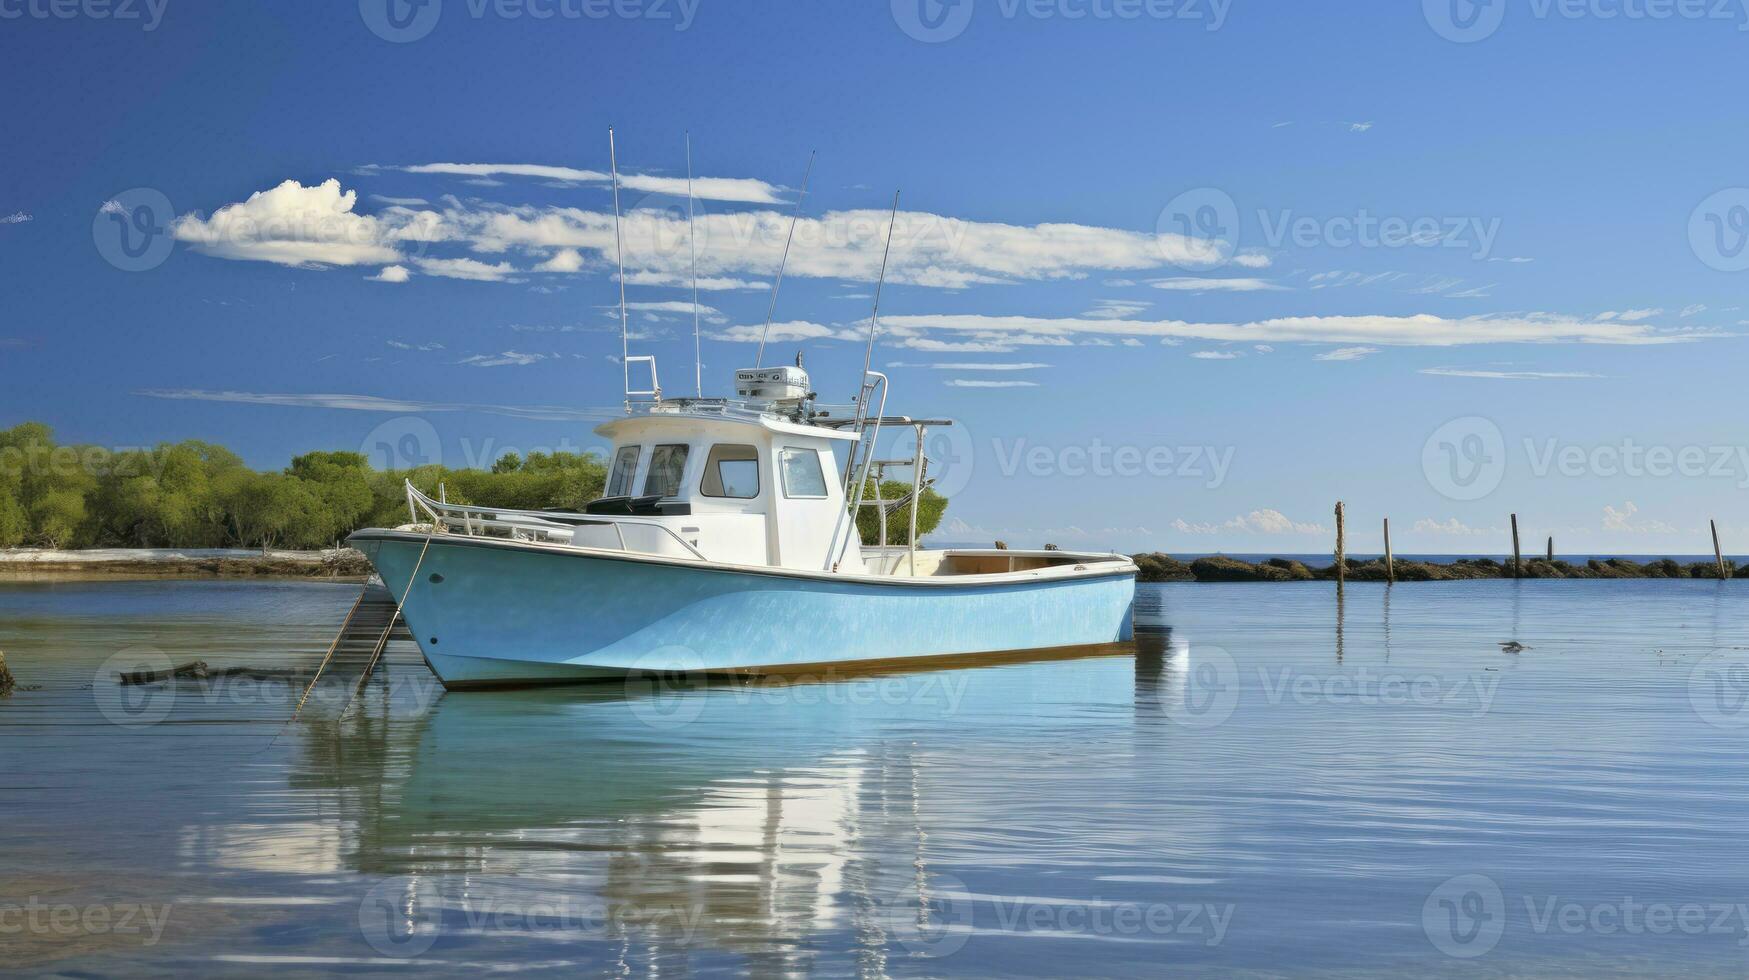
x: 667, y: 463
x: 731, y: 471
x: 802, y: 475
x: 625, y: 465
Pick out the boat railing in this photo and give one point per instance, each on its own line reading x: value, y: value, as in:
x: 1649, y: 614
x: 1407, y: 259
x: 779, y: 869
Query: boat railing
x: 522, y: 525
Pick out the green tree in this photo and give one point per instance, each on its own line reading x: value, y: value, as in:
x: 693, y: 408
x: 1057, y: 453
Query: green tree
x: 929, y: 513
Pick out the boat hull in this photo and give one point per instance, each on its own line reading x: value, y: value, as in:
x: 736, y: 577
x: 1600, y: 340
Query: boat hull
x: 488, y: 613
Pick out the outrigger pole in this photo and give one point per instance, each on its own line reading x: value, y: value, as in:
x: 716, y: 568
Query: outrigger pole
x: 619, y: 251
x: 771, y: 309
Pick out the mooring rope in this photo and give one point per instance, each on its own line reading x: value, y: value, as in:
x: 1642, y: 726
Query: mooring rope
x: 383, y: 641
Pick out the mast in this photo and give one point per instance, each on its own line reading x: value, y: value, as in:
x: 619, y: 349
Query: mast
x: 619, y: 250
x: 769, y: 310
x: 697, y: 356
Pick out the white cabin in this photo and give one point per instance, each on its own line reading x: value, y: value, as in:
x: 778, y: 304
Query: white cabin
x: 742, y: 487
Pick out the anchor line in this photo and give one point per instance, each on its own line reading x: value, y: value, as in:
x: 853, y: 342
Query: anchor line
x: 383, y: 641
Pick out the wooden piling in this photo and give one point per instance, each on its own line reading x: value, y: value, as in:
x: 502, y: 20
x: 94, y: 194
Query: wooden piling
x: 1551, y: 549
x: 1390, y: 561
x: 1718, y: 555
x: 1341, y: 549
x: 7, y: 681
x: 1517, y: 561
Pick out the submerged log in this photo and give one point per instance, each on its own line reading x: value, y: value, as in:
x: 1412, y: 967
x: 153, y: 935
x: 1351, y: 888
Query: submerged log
x: 193, y: 669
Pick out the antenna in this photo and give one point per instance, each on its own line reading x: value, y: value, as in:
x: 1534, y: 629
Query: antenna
x: 760, y: 360
x: 697, y: 357
x: 619, y: 250
x: 874, y: 321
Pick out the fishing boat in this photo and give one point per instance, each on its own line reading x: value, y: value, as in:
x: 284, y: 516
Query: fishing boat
x: 727, y: 543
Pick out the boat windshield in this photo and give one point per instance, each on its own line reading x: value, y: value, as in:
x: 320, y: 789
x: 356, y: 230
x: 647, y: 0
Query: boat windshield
x: 625, y: 464
x: 667, y: 464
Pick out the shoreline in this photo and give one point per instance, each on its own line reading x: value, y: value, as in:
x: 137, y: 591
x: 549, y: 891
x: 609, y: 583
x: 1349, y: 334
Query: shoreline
x: 1157, y: 567
x: 34, y: 564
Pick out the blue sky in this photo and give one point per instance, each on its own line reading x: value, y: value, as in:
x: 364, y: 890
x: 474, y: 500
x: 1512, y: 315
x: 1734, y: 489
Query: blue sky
x: 1186, y: 272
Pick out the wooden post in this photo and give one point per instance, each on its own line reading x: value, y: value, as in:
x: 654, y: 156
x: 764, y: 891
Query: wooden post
x: 1718, y: 556
x: 1341, y: 549
x: 1517, y: 562
x: 1390, y: 562
x: 7, y: 682
x: 1551, y: 549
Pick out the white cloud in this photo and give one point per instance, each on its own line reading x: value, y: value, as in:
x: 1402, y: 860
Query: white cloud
x: 973, y: 366
x: 1263, y: 348
x: 1252, y: 260
x: 563, y: 260
x: 296, y: 225
x: 1474, y: 292
x: 1359, y: 127
x: 1630, y: 316
x: 1345, y: 354
x: 1202, y: 285
x: 1421, y: 330
x: 16, y: 218
x: 1445, y: 372
x: 470, y: 269
x: 1115, y: 309
x: 705, y: 283
x: 1623, y: 520
x: 1453, y: 527
x: 390, y: 273
x: 742, y: 190
x: 1693, y: 309
x: 403, y: 345
x: 969, y: 383
x: 375, y: 403
x: 1263, y: 521
x: 785, y: 332
x: 1217, y: 355
x: 405, y: 202
x: 508, y: 358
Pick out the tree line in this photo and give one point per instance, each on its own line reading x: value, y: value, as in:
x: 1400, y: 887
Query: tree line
x: 196, y: 494
x: 199, y: 495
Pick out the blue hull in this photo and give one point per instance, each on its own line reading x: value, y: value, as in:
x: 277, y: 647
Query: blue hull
x: 486, y: 613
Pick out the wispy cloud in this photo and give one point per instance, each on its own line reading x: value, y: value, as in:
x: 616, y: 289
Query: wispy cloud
x: 1623, y: 520
x: 16, y: 218
x: 1345, y: 354
x: 1453, y: 527
x: 1630, y: 316
x: 1262, y: 521
x: 1446, y: 372
x: 1115, y: 309
x: 1217, y: 355
x: 972, y: 366
x: 974, y: 383
x: 741, y: 190
x: 1197, y: 284
x: 1421, y: 330
x: 403, y: 345
x: 470, y: 269
x: 507, y: 358
x: 374, y: 403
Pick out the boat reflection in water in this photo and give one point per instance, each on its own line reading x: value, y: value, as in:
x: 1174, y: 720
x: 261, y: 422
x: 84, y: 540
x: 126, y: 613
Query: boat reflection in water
x: 755, y: 820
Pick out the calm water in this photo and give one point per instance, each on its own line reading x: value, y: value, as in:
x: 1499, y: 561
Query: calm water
x: 1261, y: 784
